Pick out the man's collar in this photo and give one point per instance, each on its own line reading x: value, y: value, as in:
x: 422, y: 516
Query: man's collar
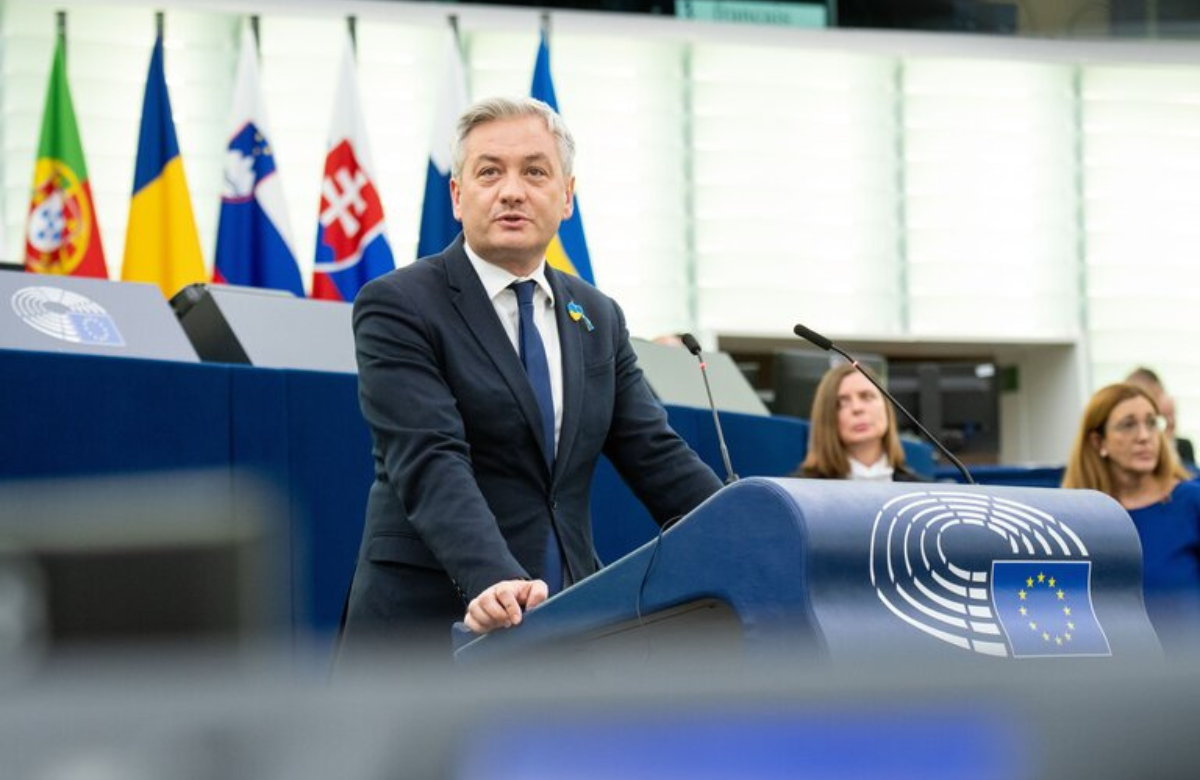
x: 495, y: 279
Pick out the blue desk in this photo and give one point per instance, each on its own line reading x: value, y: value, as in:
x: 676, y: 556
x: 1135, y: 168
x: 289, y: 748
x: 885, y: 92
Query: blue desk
x: 300, y: 431
x: 1016, y: 476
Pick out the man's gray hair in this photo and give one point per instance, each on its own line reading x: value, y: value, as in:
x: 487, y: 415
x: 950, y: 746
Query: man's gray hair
x: 496, y: 108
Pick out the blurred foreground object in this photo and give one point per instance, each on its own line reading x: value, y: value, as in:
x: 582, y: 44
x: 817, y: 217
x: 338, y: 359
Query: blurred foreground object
x: 698, y: 717
x: 164, y: 558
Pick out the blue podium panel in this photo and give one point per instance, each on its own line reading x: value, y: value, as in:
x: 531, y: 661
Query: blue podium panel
x: 330, y: 470
x: 852, y: 571
x: 991, y: 571
x: 80, y: 414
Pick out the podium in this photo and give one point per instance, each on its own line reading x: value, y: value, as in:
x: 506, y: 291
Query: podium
x: 847, y: 571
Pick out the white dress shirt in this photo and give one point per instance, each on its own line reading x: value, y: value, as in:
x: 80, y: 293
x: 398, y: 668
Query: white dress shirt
x: 879, y: 471
x: 495, y: 283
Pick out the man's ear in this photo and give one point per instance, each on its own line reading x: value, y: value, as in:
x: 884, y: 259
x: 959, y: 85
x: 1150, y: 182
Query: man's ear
x: 569, y: 206
x: 455, y: 196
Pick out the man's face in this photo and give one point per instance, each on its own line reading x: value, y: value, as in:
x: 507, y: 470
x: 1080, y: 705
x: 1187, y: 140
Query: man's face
x: 513, y: 194
x: 1166, y: 407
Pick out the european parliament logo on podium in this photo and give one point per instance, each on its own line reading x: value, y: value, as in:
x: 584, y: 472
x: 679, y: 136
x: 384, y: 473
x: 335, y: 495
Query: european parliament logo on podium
x: 1031, y: 599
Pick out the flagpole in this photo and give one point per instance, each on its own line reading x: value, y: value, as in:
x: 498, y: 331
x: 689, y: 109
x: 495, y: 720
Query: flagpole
x: 458, y: 48
x: 352, y: 27
x: 453, y: 21
x: 545, y: 26
x: 60, y: 23
x: 159, y: 24
x: 254, y: 31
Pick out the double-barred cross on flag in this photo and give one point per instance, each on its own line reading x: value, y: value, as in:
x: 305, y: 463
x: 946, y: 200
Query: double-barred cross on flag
x: 352, y: 246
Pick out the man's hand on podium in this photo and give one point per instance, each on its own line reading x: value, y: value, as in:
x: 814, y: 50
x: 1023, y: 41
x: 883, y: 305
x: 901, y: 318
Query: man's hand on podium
x: 501, y: 605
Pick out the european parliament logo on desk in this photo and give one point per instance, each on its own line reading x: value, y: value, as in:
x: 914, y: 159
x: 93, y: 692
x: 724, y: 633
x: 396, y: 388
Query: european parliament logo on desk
x: 1034, y: 602
x: 66, y: 315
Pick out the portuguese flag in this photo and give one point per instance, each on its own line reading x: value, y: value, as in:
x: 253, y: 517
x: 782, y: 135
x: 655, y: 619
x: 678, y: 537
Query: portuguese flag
x: 62, y: 236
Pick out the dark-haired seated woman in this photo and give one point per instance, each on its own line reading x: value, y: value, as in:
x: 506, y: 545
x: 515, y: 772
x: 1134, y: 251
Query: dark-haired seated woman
x: 1122, y: 450
x: 852, y: 433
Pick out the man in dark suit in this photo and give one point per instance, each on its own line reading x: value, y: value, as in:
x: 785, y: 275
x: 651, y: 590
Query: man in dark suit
x: 492, y: 383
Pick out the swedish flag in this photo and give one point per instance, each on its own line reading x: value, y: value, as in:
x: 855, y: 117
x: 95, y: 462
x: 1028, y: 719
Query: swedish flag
x: 568, y: 251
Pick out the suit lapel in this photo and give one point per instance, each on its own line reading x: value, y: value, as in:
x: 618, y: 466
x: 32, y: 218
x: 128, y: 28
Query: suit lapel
x: 471, y: 301
x: 570, y: 340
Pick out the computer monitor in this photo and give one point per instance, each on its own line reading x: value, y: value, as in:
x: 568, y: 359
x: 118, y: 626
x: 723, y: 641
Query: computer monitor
x: 798, y: 372
x: 957, y: 400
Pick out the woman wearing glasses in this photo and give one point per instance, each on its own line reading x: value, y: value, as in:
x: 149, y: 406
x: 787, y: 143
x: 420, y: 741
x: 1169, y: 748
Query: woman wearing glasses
x: 1121, y: 450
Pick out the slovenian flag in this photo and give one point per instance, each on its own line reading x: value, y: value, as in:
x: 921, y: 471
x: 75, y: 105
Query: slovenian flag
x: 62, y: 236
x: 161, y: 244
x: 568, y: 251
x: 254, y: 246
x: 352, y: 247
x: 438, y: 225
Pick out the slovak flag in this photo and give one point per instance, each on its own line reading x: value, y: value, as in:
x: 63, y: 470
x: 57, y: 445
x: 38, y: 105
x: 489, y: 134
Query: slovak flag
x: 254, y: 245
x: 352, y: 247
x: 438, y: 225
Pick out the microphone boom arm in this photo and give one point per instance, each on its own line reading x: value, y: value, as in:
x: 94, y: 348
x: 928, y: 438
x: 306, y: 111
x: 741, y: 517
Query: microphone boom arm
x: 693, y: 346
x: 730, y: 476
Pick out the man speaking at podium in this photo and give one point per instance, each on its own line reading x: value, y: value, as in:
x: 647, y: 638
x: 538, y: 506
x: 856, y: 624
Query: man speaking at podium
x: 492, y: 382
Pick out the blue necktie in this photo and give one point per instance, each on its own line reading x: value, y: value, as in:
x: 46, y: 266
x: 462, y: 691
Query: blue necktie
x: 533, y: 357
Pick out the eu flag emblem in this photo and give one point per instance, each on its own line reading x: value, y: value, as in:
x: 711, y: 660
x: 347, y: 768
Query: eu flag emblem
x: 1045, y: 608
x: 96, y: 329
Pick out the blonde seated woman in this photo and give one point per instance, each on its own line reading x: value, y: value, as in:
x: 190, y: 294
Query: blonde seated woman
x: 1122, y: 450
x: 852, y: 432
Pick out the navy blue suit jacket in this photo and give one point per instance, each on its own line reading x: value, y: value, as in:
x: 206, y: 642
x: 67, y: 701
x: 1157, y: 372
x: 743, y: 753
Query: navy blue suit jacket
x: 463, y: 497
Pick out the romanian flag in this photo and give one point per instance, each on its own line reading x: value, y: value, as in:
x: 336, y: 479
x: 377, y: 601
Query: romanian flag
x: 438, y: 225
x: 62, y: 236
x: 568, y: 251
x: 161, y: 244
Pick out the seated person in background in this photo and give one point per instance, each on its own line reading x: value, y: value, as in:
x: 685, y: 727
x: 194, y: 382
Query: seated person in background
x: 1148, y: 380
x: 1121, y: 449
x: 852, y: 432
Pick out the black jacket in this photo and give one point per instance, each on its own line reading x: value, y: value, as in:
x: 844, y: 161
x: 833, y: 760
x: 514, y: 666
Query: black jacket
x: 463, y: 497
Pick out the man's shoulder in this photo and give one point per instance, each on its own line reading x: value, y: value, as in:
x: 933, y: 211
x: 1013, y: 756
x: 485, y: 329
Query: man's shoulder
x: 577, y: 287
x: 418, y: 277
x: 584, y: 294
